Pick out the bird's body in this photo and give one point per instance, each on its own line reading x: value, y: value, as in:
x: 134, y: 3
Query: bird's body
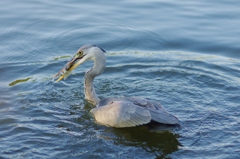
x: 114, y: 112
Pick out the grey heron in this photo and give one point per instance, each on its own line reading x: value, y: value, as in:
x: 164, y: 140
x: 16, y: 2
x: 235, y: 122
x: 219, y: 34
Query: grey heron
x: 114, y: 112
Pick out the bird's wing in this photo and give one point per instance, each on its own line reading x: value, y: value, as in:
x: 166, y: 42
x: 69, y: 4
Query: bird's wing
x: 163, y: 117
x: 157, y: 111
x: 121, y: 114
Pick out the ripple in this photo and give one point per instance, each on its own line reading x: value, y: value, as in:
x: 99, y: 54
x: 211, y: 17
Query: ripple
x: 196, y: 89
x: 182, y: 54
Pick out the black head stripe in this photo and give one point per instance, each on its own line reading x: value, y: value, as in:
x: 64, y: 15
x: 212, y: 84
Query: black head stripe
x: 100, y: 48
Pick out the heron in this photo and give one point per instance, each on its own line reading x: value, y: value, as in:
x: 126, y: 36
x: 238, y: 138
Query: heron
x: 116, y: 112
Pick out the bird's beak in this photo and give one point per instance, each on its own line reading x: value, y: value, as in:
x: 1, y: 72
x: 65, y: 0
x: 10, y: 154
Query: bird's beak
x: 67, y: 69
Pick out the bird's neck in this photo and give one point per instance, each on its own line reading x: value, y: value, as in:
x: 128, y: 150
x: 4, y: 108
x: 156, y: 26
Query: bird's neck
x: 97, y: 69
x: 90, y: 94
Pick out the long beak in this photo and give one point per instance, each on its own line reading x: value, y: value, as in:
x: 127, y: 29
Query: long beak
x: 67, y: 69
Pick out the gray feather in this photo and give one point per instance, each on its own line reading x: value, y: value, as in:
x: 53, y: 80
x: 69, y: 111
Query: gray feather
x: 157, y: 112
x: 163, y: 117
x: 121, y: 114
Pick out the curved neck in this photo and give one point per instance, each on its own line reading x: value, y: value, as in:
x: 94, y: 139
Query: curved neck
x: 90, y: 94
x: 97, y: 69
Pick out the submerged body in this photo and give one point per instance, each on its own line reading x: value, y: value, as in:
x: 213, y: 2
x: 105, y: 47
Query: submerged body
x: 131, y: 111
x: 114, y: 112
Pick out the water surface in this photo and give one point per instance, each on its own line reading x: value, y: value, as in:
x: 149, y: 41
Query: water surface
x: 182, y: 54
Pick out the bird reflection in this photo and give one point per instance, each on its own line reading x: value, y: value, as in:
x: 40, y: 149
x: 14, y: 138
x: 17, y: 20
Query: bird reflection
x: 161, y: 142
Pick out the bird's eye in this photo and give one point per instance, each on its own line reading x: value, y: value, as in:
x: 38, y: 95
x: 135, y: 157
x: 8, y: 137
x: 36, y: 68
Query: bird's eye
x: 80, y: 53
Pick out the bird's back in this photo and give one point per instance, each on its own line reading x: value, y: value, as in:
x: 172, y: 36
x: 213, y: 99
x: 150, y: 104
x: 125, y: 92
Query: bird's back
x: 131, y: 111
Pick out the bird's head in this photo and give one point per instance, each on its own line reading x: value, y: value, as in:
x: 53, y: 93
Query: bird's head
x: 85, y: 53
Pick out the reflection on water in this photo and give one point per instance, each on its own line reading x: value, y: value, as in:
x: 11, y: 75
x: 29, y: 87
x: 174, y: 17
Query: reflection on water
x: 160, y: 143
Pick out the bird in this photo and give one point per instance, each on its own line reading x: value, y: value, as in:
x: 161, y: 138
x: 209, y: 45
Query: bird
x: 116, y: 112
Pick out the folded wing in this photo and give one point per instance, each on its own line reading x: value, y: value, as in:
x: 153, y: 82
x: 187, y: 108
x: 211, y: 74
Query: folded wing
x: 121, y: 114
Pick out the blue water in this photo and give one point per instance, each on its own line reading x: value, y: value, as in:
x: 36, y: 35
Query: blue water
x: 184, y: 54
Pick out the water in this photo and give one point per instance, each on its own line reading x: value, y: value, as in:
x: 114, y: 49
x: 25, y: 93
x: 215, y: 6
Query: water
x: 184, y: 54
